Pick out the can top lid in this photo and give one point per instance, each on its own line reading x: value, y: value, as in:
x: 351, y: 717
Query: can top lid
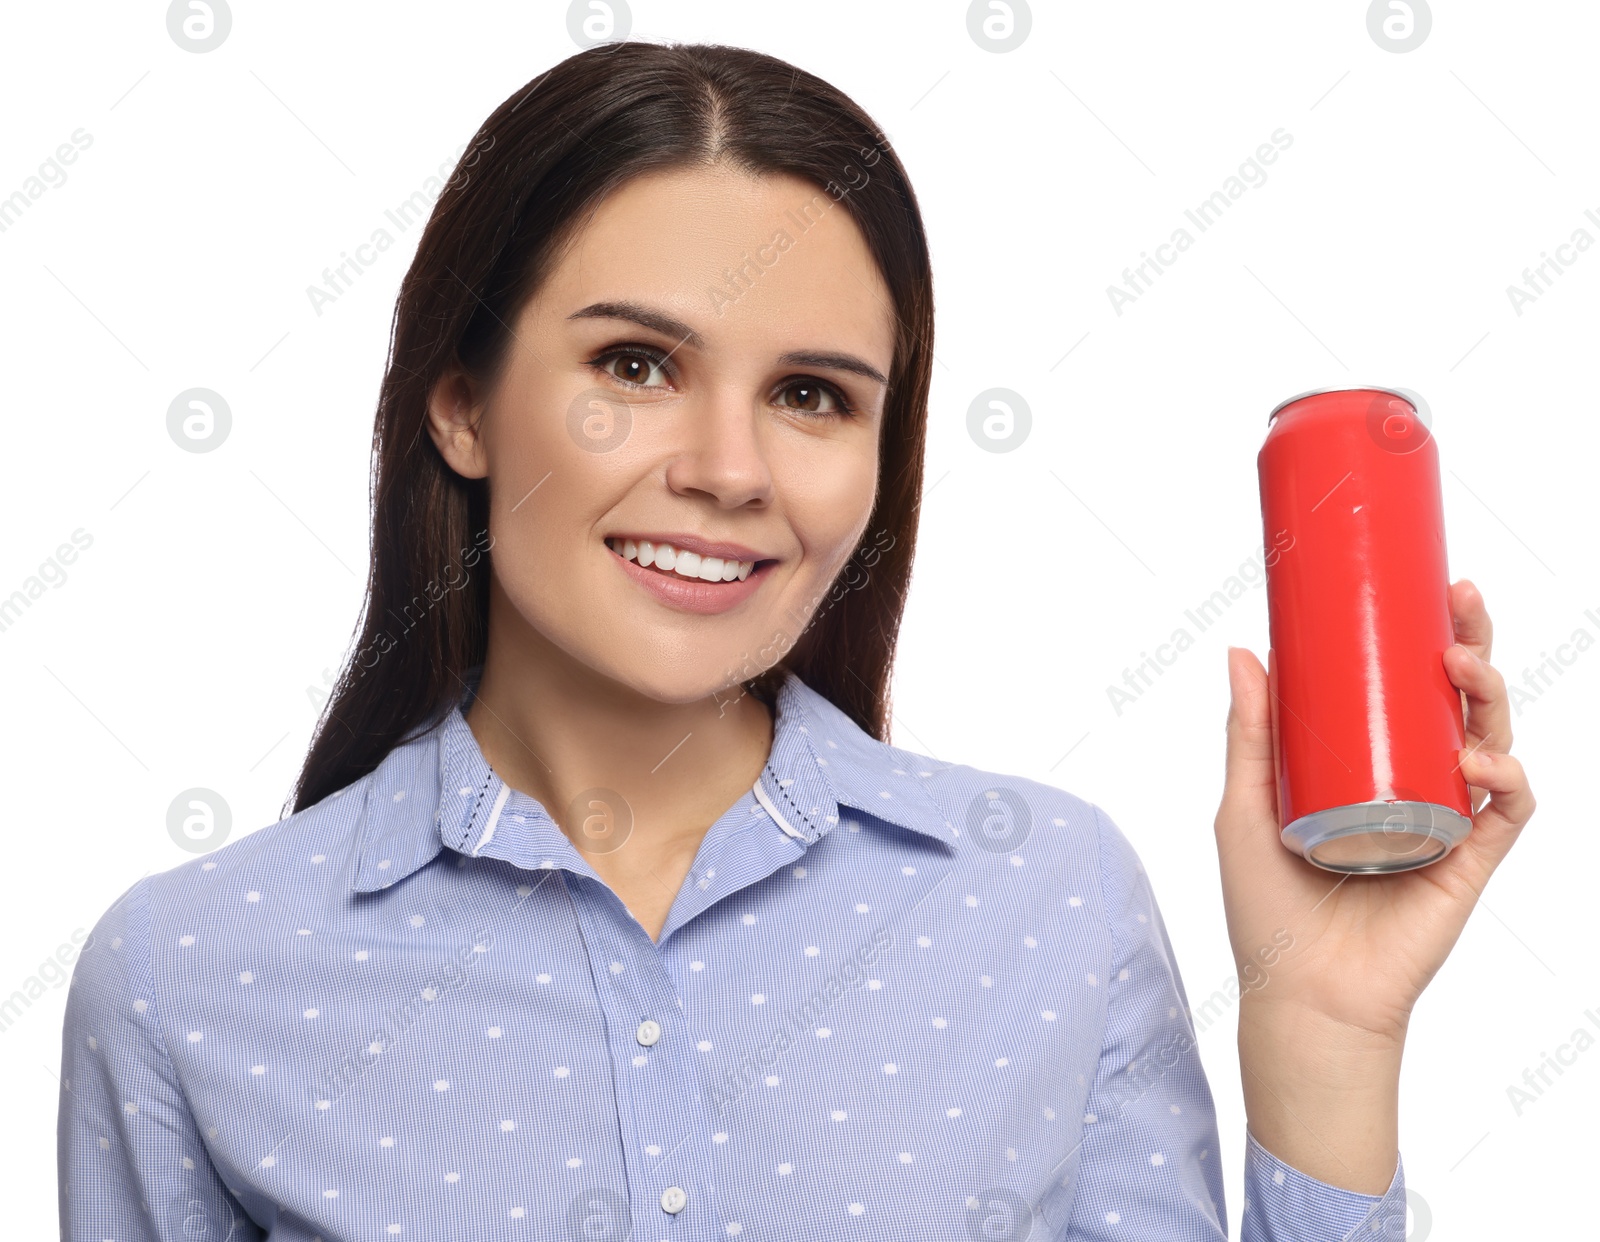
x: 1399, y: 392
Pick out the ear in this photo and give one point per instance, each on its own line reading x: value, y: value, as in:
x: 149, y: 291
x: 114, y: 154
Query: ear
x: 455, y: 421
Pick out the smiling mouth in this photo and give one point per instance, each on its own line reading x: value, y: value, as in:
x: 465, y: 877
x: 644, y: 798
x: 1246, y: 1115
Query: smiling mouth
x: 673, y: 562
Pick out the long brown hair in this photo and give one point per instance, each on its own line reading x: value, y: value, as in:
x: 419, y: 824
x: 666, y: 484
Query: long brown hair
x: 540, y: 163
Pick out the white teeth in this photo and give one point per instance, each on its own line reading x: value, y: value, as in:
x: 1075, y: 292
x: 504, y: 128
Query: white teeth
x: 686, y: 564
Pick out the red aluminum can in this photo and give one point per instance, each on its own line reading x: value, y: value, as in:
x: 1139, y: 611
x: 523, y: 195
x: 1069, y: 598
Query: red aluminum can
x: 1367, y: 727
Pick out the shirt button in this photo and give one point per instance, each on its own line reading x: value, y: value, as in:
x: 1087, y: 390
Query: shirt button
x: 647, y: 1034
x: 673, y: 1199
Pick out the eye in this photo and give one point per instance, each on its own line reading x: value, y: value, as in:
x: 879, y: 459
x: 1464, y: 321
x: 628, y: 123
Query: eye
x: 631, y: 365
x: 812, y: 396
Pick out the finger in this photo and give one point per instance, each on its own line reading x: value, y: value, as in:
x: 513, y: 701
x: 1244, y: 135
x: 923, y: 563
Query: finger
x: 1473, y: 628
x: 1249, y: 810
x: 1488, y: 706
x: 1496, y: 827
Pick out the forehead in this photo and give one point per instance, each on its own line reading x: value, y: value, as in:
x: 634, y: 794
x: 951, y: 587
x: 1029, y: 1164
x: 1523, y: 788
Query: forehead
x: 739, y: 258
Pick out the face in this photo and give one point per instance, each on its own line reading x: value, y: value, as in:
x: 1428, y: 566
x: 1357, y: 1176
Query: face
x: 704, y: 369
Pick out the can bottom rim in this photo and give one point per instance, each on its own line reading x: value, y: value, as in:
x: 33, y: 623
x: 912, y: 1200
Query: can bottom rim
x: 1377, y: 837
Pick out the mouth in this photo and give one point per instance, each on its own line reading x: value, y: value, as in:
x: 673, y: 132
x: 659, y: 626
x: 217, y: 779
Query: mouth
x: 674, y: 562
x: 688, y: 581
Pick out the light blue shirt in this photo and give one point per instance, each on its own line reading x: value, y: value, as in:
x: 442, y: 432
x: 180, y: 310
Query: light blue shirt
x: 894, y: 999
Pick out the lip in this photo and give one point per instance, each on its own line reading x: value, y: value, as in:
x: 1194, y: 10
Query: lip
x: 690, y: 543
x: 694, y: 594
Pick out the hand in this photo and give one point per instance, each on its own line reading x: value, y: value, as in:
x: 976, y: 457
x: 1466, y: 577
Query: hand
x: 1356, y: 950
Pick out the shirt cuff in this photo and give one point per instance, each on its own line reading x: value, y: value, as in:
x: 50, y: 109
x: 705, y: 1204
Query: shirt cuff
x: 1288, y: 1204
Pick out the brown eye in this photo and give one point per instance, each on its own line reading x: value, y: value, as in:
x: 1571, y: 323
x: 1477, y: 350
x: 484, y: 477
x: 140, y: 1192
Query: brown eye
x: 631, y: 368
x: 813, y: 397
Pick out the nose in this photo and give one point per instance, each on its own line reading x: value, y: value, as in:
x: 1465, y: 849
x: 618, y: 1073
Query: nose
x: 722, y: 456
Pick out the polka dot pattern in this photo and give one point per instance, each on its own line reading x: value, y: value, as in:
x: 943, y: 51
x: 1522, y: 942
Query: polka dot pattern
x: 414, y: 1011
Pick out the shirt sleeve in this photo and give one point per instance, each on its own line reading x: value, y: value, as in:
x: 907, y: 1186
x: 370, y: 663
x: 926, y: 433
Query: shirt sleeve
x: 131, y: 1164
x: 1282, y: 1204
x: 1148, y: 1163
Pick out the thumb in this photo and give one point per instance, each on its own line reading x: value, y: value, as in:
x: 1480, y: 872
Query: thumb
x: 1249, y: 810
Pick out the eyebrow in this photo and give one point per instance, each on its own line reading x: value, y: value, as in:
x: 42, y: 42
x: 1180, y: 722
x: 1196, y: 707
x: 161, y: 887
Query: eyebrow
x: 645, y: 316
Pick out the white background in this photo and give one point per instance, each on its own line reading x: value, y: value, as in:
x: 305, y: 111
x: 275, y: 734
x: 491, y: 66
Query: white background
x: 180, y: 648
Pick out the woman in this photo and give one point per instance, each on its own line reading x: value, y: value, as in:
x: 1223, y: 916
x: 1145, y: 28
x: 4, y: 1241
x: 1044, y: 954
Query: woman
x: 604, y: 911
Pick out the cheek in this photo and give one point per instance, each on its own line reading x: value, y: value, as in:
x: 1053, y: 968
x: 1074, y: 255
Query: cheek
x: 546, y: 496
x: 556, y: 458
x: 830, y: 512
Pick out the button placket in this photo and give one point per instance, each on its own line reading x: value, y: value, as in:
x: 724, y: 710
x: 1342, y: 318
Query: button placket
x: 657, y: 1087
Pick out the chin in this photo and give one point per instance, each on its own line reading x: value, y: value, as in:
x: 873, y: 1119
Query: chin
x: 680, y: 681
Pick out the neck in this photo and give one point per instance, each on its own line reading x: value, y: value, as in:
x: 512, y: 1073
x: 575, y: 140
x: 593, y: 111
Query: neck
x: 554, y: 729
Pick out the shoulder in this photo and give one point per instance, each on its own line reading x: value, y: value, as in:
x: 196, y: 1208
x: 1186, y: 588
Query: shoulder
x: 329, y: 821
x: 981, y: 813
x: 130, y: 948
x: 324, y: 835
x: 1062, y: 838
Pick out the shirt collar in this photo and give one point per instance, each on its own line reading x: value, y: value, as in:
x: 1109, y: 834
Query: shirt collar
x: 436, y: 789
